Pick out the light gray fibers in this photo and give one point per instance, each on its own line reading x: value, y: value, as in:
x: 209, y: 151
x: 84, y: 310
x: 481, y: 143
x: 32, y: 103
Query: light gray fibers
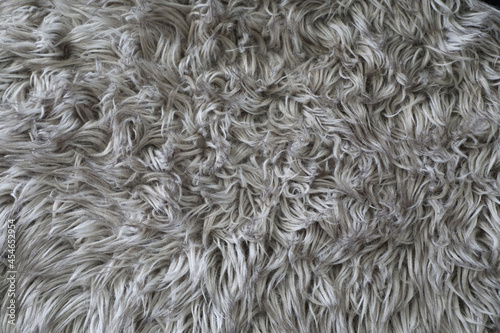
x: 251, y: 166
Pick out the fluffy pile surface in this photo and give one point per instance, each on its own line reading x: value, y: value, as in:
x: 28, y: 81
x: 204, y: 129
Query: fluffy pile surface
x: 251, y: 166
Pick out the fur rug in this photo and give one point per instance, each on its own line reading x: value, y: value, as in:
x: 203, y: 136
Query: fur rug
x: 250, y: 166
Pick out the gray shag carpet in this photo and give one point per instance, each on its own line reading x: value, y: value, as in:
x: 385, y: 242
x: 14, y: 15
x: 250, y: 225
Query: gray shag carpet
x: 250, y: 166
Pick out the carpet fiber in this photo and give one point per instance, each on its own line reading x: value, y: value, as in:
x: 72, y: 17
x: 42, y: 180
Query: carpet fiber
x: 250, y: 166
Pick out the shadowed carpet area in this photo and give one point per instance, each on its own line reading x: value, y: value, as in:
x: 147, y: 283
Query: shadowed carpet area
x: 249, y: 166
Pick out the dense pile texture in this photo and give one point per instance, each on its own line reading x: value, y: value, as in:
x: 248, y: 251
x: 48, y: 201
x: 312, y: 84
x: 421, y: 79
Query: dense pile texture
x: 251, y: 166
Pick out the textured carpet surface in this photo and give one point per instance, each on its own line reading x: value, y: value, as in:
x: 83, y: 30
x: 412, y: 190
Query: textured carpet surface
x: 250, y: 166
